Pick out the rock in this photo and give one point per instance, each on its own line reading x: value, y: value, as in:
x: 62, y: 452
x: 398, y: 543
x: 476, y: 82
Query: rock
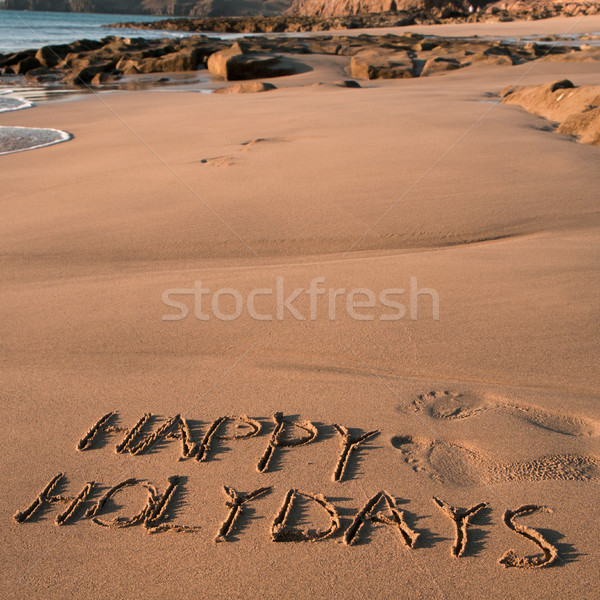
x: 351, y: 49
x: 85, y: 75
x: 13, y: 59
x: 127, y: 66
x: 43, y: 75
x: 186, y: 60
x: 247, y: 87
x: 103, y: 78
x: 426, y: 45
x: 439, y: 64
x: 27, y: 64
x: 347, y: 83
x: 536, y: 49
x: 577, y: 109
x: 328, y: 8
x: 217, y: 62
x: 493, y: 59
x: 236, y: 63
x: 563, y: 84
x: 374, y: 64
x: 324, y: 47
x: 76, y: 61
x: 50, y: 56
x: 584, y: 125
x: 497, y: 50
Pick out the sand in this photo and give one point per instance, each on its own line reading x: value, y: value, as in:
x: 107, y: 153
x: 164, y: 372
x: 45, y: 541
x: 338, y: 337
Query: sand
x: 425, y: 183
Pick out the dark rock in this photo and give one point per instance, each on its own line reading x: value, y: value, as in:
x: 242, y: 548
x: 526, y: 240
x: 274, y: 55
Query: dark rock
x: 27, y: 64
x: 104, y: 78
x: 347, y: 83
x: 87, y: 74
x: 426, y: 45
x: 50, y: 56
x: 499, y: 50
x: 43, y: 75
x: 17, y: 57
x: 563, y: 84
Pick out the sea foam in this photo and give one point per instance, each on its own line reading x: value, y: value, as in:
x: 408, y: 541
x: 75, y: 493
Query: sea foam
x: 19, y: 139
x: 7, y: 103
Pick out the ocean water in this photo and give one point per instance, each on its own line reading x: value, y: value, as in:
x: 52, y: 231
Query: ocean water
x: 20, y: 30
x: 19, y: 139
x: 8, y: 103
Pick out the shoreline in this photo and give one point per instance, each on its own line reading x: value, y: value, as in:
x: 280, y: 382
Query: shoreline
x: 104, y: 63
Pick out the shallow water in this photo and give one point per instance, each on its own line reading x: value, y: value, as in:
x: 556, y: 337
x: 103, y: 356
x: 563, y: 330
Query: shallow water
x: 19, y: 139
x: 8, y: 103
x: 20, y: 30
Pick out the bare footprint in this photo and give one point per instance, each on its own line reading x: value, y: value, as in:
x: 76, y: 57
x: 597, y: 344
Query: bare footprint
x: 559, y: 423
x: 218, y: 161
x: 228, y: 161
x: 450, y: 405
x: 456, y: 464
x: 446, y: 404
x: 247, y: 146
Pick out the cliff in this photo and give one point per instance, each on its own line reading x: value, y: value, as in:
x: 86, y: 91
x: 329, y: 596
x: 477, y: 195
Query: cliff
x: 328, y: 8
x: 186, y: 8
x: 506, y: 9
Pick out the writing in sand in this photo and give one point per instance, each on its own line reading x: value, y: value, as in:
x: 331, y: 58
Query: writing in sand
x: 154, y: 516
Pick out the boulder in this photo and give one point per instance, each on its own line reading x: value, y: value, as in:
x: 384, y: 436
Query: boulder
x: 493, y: 59
x: 247, y: 87
x: 439, y: 64
x: 217, y: 62
x: 128, y: 66
x: 426, y: 45
x: 76, y: 62
x: 185, y: 60
x: 17, y: 57
x: 375, y: 64
x: 350, y: 49
x: 236, y: 63
x: 86, y: 75
x: 103, y: 78
x: 50, y: 56
x: 43, y: 75
x: 323, y: 47
x: 27, y: 64
x: 347, y: 83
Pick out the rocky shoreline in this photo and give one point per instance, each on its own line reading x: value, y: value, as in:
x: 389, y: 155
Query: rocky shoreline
x: 417, y: 16
x: 110, y: 60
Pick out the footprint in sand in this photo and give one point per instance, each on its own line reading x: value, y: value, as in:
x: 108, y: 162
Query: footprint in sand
x: 450, y: 405
x: 218, y: 161
x: 451, y: 463
x: 228, y: 161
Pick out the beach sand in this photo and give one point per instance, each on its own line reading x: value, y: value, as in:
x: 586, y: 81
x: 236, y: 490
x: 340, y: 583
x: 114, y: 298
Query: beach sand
x: 496, y: 401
